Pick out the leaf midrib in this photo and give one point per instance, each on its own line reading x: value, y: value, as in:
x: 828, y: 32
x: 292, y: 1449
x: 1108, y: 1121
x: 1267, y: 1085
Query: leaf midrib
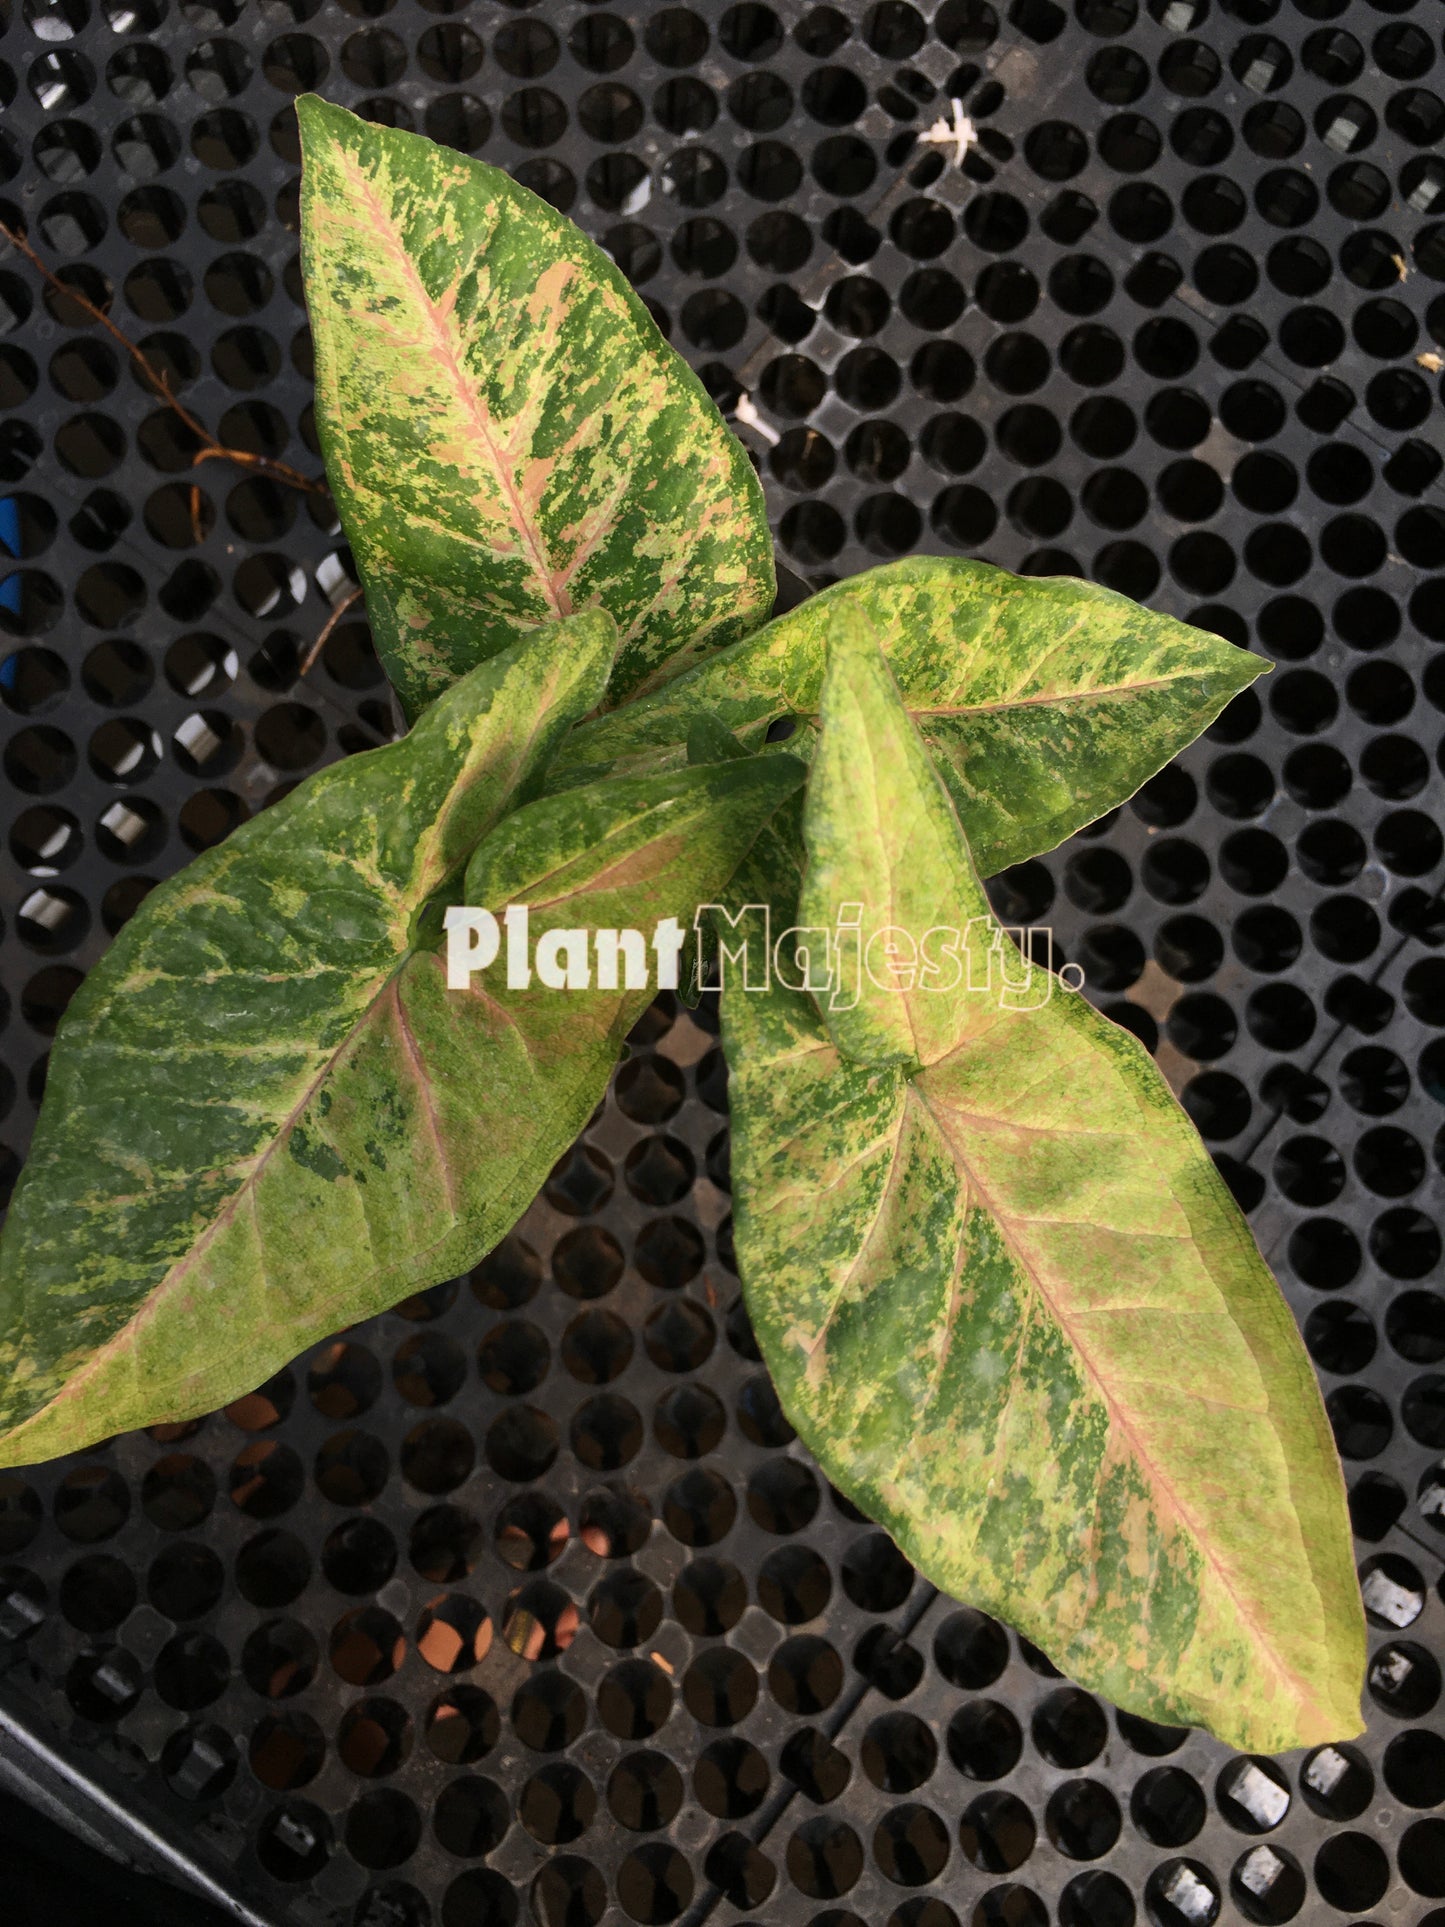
x: 246, y: 1186
x: 1054, y: 699
x: 471, y: 402
x: 1265, y: 1642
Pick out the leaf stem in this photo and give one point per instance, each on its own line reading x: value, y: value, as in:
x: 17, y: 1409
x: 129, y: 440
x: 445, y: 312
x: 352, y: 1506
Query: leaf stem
x: 348, y: 601
x: 210, y: 450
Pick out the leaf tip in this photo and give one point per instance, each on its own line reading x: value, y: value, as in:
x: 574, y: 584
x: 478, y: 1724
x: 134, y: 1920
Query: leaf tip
x: 312, y: 114
x: 709, y: 740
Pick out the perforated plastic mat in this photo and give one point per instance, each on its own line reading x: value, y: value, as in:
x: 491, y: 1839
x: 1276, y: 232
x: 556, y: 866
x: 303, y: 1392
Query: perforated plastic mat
x: 523, y: 1596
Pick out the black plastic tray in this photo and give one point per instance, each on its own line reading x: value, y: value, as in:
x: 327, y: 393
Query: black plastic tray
x: 1175, y: 325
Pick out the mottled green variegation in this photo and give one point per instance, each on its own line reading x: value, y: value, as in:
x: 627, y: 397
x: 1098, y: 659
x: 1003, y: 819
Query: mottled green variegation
x: 1044, y: 702
x: 267, y: 1116
x: 173, y: 1235
x: 507, y: 436
x: 1004, y: 1295
x: 1007, y: 1300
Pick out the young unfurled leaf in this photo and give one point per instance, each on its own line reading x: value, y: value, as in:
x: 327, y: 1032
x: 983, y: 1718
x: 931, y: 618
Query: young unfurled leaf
x: 1004, y: 1295
x: 172, y: 1238
x: 507, y: 435
x: 1044, y: 702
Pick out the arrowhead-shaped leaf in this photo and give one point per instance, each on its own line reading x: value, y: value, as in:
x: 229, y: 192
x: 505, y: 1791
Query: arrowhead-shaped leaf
x: 1007, y: 1300
x: 1045, y: 702
x: 153, y: 1257
x: 507, y: 435
x: 268, y: 1117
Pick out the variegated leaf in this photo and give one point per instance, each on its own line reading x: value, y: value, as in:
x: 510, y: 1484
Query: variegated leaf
x: 267, y: 1116
x: 155, y: 1259
x: 507, y: 435
x: 1044, y: 702
x: 1004, y: 1295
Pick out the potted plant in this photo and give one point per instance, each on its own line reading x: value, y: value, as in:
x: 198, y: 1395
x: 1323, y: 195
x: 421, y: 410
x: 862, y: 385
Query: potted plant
x: 1006, y: 1299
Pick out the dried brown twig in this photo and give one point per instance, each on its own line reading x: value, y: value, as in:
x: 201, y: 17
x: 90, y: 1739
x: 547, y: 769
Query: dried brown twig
x: 210, y: 450
x: 308, y: 661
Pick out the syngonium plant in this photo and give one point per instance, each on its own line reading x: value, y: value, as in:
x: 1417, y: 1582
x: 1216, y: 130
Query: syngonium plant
x: 1006, y: 1299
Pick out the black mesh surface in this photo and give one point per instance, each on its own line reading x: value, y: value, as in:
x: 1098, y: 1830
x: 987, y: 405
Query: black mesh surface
x: 523, y: 1596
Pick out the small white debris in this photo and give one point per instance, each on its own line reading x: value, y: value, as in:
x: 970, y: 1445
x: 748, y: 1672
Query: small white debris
x: 19, y: 1614
x: 1430, y: 362
x: 332, y: 580
x: 1343, y: 131
x: 295, y: 1834
x: 1259, y: 1870
x: 1397, y: 1605
x: 126, y: 825
x: 1264, y: 1801
x: 1392, y: 1669
x: 746, y: 412
x: 197, y: 738
x: 637, y: 197
x: 52, y: 846
x: 960, y: 133
x: 1185, y: 1891
x: 48, y: 911
x: 1325, y: 1771
x: 113, y: 1682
